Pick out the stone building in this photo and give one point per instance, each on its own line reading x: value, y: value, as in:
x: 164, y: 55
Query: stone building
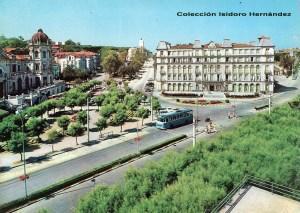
x: 26, y: 69
x: 232, y: 68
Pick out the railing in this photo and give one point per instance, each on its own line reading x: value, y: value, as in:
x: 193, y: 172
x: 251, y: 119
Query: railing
x: 249, y: 181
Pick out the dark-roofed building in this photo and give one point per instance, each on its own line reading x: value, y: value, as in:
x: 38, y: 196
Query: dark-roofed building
x: 232, y: 68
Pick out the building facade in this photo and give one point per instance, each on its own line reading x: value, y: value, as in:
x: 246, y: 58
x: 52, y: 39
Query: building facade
x: 84, y: 60
x: 232, y: 68
x: 26, y: 69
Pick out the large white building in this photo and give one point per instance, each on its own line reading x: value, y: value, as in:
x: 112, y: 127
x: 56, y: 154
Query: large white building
x: 22, y: 70
x: 232, y: 68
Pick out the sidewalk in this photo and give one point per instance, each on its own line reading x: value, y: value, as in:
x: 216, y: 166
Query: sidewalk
x: 66, y: 149
x: 84, y: 148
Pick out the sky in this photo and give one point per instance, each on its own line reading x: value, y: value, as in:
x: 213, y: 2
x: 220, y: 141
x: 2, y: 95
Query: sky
x: 124, y: 22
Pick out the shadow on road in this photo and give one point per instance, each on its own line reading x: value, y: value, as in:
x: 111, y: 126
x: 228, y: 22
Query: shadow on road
x: 280, y: 88
x: 90, y: 143
x: 4, y: 168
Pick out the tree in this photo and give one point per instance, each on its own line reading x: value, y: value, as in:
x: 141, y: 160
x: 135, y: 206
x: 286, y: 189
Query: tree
x: 53, y: 135
x: 48, y: 105
x: 12, y: 42
x: 7, y: 127
x: 71, y: 102
x: 63, y: 122
x: 70, y: 42
x: 107, y: 110
x: 143, y: 113
x: 101, y: 124
x: 60, y: 103
x: 155, y: 104
x: 16, y: 143
x: 111, y: 63
x: 75, y: 129
x: 119, y: 118
x: 82, y: 117
x: 286, y: 62
x: 120, y: 106
x: 99, y: 100
x: 81, y: 100
x: 35, y: 126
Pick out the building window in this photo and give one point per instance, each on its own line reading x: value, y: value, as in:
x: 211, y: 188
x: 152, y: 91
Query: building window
x: 36, y: 54
x: 227, y: 59
x: 161, y: 53
x: 44, y: 54
x: 37, y: 67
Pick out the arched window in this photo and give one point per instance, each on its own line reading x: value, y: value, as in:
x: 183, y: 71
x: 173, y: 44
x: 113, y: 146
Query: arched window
x: 240, y: 87
x: 251, y: 87
x: 246, y: 88
x: 174, y: 87
x: 36, y: 54
x: 257, y: 88
x: 234, y: 88
x: 179, y: 87
x: 246, y: 68
x: 257, y: 69
x: 240, y: 69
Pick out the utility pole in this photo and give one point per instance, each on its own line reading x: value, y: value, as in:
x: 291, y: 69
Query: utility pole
x: 87, y: 114
x: 24, y: 158
x: 137, y: 136
x: 151, y: 107
x: 194, y: 132
x: 270, y: 104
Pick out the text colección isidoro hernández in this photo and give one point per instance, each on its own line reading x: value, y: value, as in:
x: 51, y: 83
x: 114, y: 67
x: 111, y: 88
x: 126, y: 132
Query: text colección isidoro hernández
x: 232, y: 14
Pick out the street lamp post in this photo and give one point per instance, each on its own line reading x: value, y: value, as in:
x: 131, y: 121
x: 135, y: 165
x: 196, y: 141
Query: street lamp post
x: 270, y: 104
x: 24, y: 158
x: 88, y: 123
x: 23, y: 147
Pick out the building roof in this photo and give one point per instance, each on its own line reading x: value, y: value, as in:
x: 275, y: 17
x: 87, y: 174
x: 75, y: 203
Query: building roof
x: 182, y: 46
x: 262, y: 41
x: 78, y: 54
x: 40, y: 36
x: 3, y: 55
x: 16, y: 53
